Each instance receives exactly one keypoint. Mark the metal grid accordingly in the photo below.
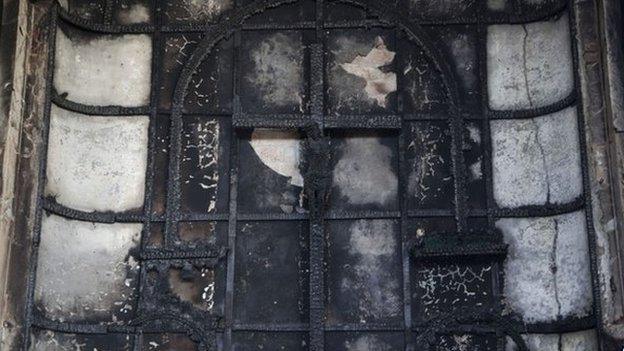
(210, 330)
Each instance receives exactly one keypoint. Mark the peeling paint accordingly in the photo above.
(360, 76)
(378, 83)
(280, 151)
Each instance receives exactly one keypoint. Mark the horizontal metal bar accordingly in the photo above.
(51, 206)
(540, 210)
(180, 254)
(272, 121)
(363, 121)
(92, 110)
(569, 101)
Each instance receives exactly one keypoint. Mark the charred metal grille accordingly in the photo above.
(236, 255)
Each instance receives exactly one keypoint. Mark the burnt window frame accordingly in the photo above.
(50, 206)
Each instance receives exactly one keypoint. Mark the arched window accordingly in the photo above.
(313, 175)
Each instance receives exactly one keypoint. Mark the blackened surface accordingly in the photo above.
(459, 44)
(271, 273)
(161, 162)
(249, 341)
(472, 147)
(286, 14)
(363, 272)
(422, 89)
(273, 66)
(459, 342)
(168, 342)
(42, 340)
(360, 259)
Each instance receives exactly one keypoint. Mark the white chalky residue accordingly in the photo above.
(450, 279)
(577, 341)
(204, 138)
(96, 163)
(428, 158)
(364, 172)
(109, 70)
(280, 151)
(547, 267)
(83, 268)
(367, 343)
(529, 65)
(372, 243)
(378, 83)
(537, 161)
(135, 13)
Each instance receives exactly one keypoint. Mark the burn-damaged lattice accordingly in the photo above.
(310, 175)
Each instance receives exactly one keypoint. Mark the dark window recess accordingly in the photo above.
(318, 178)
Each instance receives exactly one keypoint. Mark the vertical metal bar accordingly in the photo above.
(157, 59)
(403, 196)
(233, 208)
(317, 230)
